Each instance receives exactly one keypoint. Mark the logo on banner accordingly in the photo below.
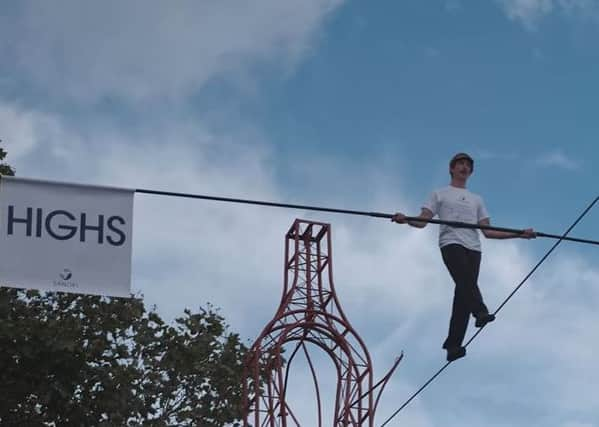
(66, 274)
(65, 280)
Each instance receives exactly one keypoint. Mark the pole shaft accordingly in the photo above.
(455, 224)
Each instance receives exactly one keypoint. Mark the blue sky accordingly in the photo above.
(348, 104)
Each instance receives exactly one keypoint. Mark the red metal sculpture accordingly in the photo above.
(309, 313)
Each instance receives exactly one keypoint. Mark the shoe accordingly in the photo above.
(483, 319)
(454, 353)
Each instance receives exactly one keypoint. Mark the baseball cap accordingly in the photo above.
(461, 156)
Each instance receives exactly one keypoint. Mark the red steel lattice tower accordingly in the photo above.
(309, 313)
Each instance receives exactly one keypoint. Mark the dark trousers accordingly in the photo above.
(463, 265)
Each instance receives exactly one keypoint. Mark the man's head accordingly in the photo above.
(461, 164)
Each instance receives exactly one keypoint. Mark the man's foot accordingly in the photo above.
(454, 353)
(483, 319)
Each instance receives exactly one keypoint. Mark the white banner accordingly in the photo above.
(65, 237)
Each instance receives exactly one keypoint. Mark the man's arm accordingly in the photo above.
(424, 214)
(529, 233)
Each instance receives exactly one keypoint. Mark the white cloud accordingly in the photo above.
(187, 252)
(390, 278)
(555, 159)
(17, 126)
(140, 50)
(530, 12)
(22, 130)
(558, 159)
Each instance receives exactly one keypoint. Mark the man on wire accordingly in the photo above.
(460, 248)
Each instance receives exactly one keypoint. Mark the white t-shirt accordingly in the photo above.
(457, 204)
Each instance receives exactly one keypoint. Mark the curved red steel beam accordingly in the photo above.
(310, 312)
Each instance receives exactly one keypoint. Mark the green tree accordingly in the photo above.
(69, 359)
(4, 168)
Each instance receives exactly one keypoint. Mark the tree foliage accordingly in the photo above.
(4, 168)
(88, 360)
(69, 359)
